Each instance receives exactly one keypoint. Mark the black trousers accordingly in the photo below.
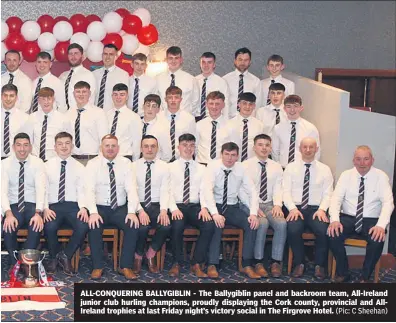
(66, 212)
(113, 218)
(295, 229)
(373, 249)
(206, 229)
(161, 232)
(33, 238)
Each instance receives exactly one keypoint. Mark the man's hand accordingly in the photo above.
(377, 233)
(277, 212)
(261, 214)
(335, 228)
(49, 215)
(134, 220)
(294, 215)
(163, 218)
(94, 220)
(10, 222)
(143, 217)
(219, 220)
(254, 222)
(37, 222)
(177, 215)
(321, 215)
(83, 215)
(204, 215)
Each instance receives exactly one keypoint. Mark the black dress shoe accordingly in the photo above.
(65, 263)
(298, 271)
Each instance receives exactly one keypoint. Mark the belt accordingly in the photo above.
(84, 156)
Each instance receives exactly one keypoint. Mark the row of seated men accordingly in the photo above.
(150, 193)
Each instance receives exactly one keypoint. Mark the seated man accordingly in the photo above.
(65, 203)
(223, 180)
(362, 204)
(185, 204)
(307, 187)
(112, 199)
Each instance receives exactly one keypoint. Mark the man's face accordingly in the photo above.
(150, 109)
(229, 158)
(8, 99)
(149, 148)
(12, 62)
(119, 98)
(174, 62)
(186, 149)
(308, 149)
(22, 148)
(293, 110)
(363, 160)
(109, 57)
(276, 97)
(139, 67)
(75, 57)
(82, 95)
(64, 147)
(208, 65)
(275, 68)
(43, 66)
(215, 106)
(246, 108)
(46, 103)
(262, 148)
(110, 148)
(173, 101)
(242, 62)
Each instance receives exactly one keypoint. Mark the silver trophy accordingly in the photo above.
(29, 257)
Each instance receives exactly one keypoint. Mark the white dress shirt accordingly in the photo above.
(213, 186)
(160, 182)
(147, 85)
(215, 83)
(320, 184)
(281, 139)
(274, 180)
(56, 122)
(188, 84)
(34, 182)
(235, 128)
(251, 83)
(98, 188)
(51, 81)
(24, 85)
(93, 126)
(127, 131)
(267, 115)
(17, 119)
(176, 170)
(74, 181)
(265, 84)
(378, 198)
(204, 137)
(80, 74)
(114, 76)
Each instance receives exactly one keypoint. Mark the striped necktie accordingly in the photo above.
(359, 208)
(43, 137)
(21, 188)
(147, 187)
(102, 89)
(7, 133)
(172, 80)
(34, 105)
(11, 80)
(245, 135)
(240, 88)
(77, 128)
(135, 105)
(115, 120)
(113, 190)
(172, 135)
(268, 96)
(277, 116)
(203, 98)
(144, 130)
(62, 182)
(67, 88)
(213, 140)
(305, 193)
(225, 192)
(186, 188)
(263, 181)
(292, 146)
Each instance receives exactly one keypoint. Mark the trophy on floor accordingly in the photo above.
(29, 257)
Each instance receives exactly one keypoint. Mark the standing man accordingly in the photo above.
(108, 76)
(15, 76)
(364, 195)
(240, 80)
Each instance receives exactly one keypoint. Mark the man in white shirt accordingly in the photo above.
(112, 200)
(153, 186)
(108, 76)
(47, 79)
(22, 195)
(12, 118)
(124, 123)
(209, 82)
(44, 124)
(179, 121)
(307, 188)
(140, 84)
(240, 80)
(362, 204)
(77, 73)
(222, 182)
(287, 135)
(267, 178)
(187, 206)
(175, 76)
(65, 203)
(14, 75)
(244, 127)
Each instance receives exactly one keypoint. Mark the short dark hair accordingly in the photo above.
(9, 88)
(247, 96)
(209, 55)
(243, 50)
(277, 87)
(230, 146)
(12, 51)
(215, 95)
(153, 98)
(120, 87)
(275, 58)
(140, 57)
(262, 136)
(44, 55)
(63, 134)
(75, 45)
(293, 98)
(82, 85)
(111, 46)
(173, 90)
(174, 50)
(21, 135)
(148, 137)
(187, 137)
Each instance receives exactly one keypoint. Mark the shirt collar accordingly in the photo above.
(243, 118)
(76, 68)
(151, 121)
(15, 73)
(11, 111)
(183, 161)
(122, 109)
(358, 174)
(44, 76)
(110, 69)
(277, 79)
(169, 114)
(219, 119)
(272, 107)
(27, 160)
(239, 73)
(175, 73)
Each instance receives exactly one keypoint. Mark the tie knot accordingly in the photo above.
(293, 123)
(45, 116)
(173, 116)
(11, 75)
(7, 113)
(63, 162)
(110, 164)
(149, 163)
(272, 81)
(71, 72)
(22, 163)
(40, 79)
(307, 165)
(205, 79)
(227, 172)
(263, 164)
(241, 76)
(146, 124)
(136, 80)
(106, 71)
(214, 123)
(80, 110)
(361, 179)
(173, 76)
(117, 112)
(276, 110)
(245, 121)
(187, 164)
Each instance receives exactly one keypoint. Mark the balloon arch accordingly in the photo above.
(131, 33)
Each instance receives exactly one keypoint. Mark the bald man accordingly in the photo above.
(307, 188)
(365, 197)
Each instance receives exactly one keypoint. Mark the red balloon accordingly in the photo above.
(92, 18)
(132, 24)
(30, 51)
(148, 35)
(60, 51)
(60, 18)
(123, 12)
(113, 38)
(125, 64)
(79, 23)
(46, 23)
(15, 41)
(14, 24)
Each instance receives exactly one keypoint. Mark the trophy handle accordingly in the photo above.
(15, 252)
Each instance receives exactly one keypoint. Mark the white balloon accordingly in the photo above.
(129, 44)
(112, 22)
(82, 39)
(144, 15)
(63, 30)
(4, 30)
(46, 41)
(96, 31)
(3, 51)
(30, 30)
(142, 49)
(94, 51)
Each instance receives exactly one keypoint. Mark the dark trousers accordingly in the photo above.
(373, 249)
(295, 229)
(66, 212)
(161, 232)
(95, 236)
(33, 238)
(206, 229)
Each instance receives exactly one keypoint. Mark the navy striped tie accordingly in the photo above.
(225, 192)
(172, 136)
(240, 88)
(203, 98)
(11, 80)
(213, 140)
(135, 105)
(102, 89)
(114, 126)
(305, 193)
(62, 182)
(186, 187)
(34, 105)
(147, 187)
(292, 146)
(172, 80)
(113, 190)
(263, 181)
(77, 128)
(277, 116)
(43, 139)
(21, 188)
(359, 208)
(245, 135)
(67, 88)
(7, 133)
